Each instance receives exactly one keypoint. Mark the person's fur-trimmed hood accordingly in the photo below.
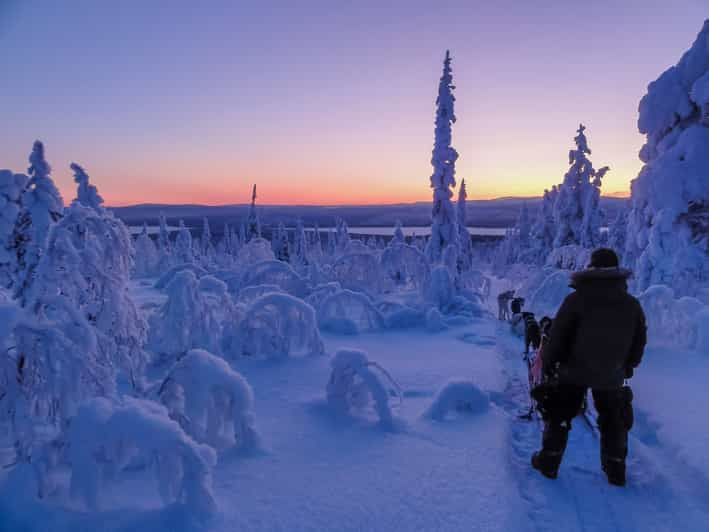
(594, 274)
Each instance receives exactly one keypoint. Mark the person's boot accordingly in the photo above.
(615, 471)
(547, 464)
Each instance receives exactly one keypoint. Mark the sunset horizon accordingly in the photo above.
(342, 115)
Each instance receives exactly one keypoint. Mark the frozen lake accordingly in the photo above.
(377, 231)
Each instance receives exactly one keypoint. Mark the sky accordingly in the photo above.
(327, 102)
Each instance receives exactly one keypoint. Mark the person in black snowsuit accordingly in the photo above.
(597, 340)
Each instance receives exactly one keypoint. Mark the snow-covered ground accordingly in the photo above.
(319, 470)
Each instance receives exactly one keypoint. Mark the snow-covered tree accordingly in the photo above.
(185, 321)
(668, 225)
(253, 225)
(280, 244)
(11, 187)
(164, 246)
(236, 242)
(444, 232)
(398, 237)
(342, 236)
(206, 246)
(332, 242)
(616, 232)
(544, 230)
(299, 257)
(183, 245)
(465, 256)
(42, 206)
(315, 250)
(87, 194)
(146, 255)
(576, 208)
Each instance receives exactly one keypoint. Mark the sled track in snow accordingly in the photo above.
(663, 493)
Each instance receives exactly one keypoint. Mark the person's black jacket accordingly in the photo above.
(599, 333)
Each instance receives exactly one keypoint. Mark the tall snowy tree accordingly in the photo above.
(87, 194)
(299, 257)
(11, 187)
(206, 245)
(183, 245)
(253, 225)
(42, 207)
(465, 258)
(444, 232)
(668, 227)
(576, 209)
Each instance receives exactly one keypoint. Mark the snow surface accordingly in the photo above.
(320, 470)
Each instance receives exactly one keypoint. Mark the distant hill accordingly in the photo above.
(501, 212)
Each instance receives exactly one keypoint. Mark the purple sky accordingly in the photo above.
(327, 102)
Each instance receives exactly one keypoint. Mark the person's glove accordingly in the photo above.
(629, 372)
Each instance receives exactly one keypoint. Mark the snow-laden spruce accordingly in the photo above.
(457, 396)
(185, 321)
(106, 437)
(668, 226)
(444, 231)
(87, 193)
(358, 386)
(11, 187)
(576, 209)
(146, 263)
(543, 231)
(42, 206)
(253, 223)
(465, 255)
(210, 401)
(184, 252)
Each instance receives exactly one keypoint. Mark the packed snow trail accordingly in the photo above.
(663, 493)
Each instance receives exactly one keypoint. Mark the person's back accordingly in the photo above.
(596, 340)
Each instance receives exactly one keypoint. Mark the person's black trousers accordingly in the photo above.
(615, 419)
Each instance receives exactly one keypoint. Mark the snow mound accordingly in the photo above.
(105, 437)
(358, 386)
(166, 278)
(275, 272)
(358, 271)
(255, 251)
(348, 312)
(251, 293)
(434, 321)
(458, 396)
(671, 321)
(210, 401)
(279, 325)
